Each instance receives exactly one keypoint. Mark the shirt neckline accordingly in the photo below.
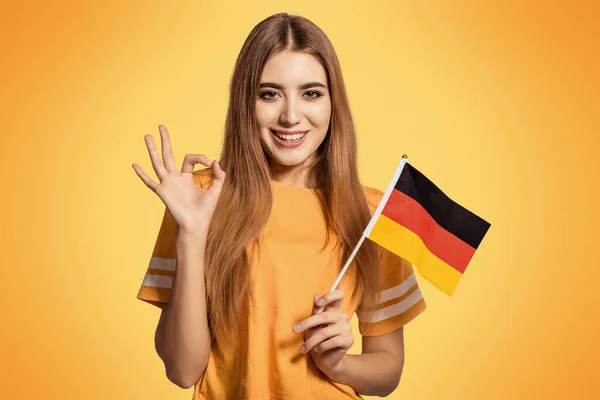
(287, 185)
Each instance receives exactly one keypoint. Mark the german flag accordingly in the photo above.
(418, 222)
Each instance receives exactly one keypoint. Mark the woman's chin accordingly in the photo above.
(289, 160)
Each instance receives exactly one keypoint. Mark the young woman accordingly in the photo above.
(250, 246)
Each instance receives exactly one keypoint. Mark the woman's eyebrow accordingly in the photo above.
(301, 87)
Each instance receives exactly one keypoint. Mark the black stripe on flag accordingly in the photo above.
(450, 215)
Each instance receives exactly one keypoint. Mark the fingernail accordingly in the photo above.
(320, 302)
(296, 328)
(302, 349)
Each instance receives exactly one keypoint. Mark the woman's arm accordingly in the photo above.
(377, 371)
(182, 338)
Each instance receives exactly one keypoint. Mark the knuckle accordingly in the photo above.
(322, 335)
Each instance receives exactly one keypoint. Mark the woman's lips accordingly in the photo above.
(287, 144)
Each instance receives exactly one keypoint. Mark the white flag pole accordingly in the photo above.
(372, 222)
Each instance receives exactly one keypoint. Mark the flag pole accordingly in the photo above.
(369, 227)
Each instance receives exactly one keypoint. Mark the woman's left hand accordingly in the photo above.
(328, 334)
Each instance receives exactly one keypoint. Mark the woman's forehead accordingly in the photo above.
(292, 69)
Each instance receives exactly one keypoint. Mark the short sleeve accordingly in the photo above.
(400, 299)
(160, 272)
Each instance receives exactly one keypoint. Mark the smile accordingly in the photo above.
(288, 140)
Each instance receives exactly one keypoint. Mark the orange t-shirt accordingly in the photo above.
(289, 272)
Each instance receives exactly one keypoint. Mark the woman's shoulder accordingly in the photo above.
(203, 177)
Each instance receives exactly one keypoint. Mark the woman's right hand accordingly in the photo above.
(190, 205)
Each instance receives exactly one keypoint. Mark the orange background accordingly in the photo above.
(496, 102)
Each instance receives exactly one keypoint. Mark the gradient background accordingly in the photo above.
(498, 103)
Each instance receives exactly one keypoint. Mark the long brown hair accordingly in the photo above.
(245, 202)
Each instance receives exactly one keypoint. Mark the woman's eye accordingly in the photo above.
(272, 95)
(264, 95)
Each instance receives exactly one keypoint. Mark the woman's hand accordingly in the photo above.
(190, 205)
(328, 334)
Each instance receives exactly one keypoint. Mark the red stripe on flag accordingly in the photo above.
(407, 212)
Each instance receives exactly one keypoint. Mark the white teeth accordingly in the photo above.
(291, 138)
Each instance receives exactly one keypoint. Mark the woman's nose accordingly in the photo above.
(291, 113)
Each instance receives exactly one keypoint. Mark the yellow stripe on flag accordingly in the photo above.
(409, 246)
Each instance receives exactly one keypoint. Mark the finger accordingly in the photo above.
(145, 178)
(167, 152)
(317, 309)
(314, 309)
(190, 160)
(218, 177)
(327, 317)
(334, 304)
(321, 335)
(332, 298)
(341, 342)
(157, 164)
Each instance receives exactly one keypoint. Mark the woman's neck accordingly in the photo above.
(296, 175)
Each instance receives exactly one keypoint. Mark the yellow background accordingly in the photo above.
(496, 102)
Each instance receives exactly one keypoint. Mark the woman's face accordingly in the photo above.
(293, 100)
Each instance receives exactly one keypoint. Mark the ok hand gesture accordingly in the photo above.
(190, 205)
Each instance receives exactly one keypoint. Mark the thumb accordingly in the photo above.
(218, 177)
(315, 308)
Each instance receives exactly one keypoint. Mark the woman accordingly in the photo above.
(249, 247)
